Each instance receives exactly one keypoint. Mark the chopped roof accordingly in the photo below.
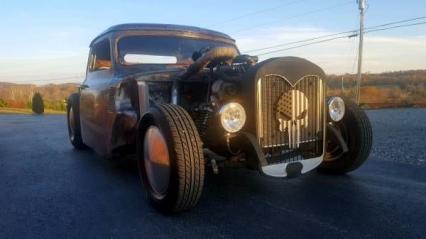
(161, 27)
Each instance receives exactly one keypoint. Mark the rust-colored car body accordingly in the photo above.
(112, 100)
(184, 97)
(283, 100)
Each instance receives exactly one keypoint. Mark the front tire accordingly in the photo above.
(170, 158)
(73, 119)
(356, 131)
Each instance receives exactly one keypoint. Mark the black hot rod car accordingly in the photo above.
(184, 98)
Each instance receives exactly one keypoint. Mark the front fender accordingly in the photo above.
(143, 98)
(131, 103)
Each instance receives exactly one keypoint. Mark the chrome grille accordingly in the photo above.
(290, 119)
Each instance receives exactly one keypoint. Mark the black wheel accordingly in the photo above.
(170, 158)
(356, 131)
(73, 118)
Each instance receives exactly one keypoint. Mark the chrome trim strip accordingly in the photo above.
(297, 82)
(279, 170)
(319, 106)
(294, 103)
(259, 109)
(174, 95)
(278, 145)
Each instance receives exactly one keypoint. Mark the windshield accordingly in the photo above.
(137, 50)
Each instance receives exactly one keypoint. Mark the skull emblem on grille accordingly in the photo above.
(292, 114)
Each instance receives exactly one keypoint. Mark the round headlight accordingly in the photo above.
(336, 108)
(232, 117)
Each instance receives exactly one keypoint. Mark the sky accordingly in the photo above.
(48, 41)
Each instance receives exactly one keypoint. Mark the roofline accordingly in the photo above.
(149, 27)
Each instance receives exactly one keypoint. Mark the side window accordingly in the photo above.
(100, 58)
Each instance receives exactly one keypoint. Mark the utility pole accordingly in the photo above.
(361, 6)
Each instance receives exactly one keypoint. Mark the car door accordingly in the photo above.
(94, 96)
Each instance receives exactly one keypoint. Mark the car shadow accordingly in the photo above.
(238, 196)
(243, 186)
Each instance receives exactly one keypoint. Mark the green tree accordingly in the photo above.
(37, 104)
(3, 103)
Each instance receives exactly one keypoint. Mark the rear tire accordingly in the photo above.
(170, 158)
(356, 130)
(73, 119)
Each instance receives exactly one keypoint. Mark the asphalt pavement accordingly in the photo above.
(49, 190)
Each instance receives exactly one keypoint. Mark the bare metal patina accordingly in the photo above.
(183, 98)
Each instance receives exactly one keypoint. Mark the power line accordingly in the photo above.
(257, 12)
(307, 44)
(335, 34)
(397, 22)
(295, 16)
(340, 37)
(301, 41)
(399, 26)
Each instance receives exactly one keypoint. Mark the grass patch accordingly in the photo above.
(6, 110)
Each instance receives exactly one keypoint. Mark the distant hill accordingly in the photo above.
(20, 95)
(389, 89)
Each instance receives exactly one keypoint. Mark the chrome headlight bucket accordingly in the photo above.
(336, 108)
(232, 117)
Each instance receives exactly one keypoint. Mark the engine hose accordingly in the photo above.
(217, 53)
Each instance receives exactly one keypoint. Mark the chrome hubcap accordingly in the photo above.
(72, 123)
(156, 161)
